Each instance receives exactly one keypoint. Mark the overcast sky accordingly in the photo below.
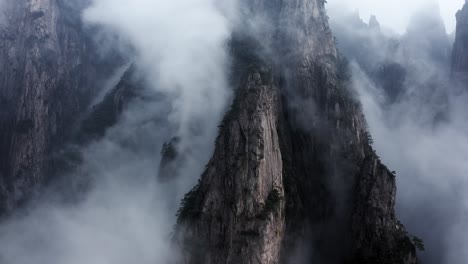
(396, 13)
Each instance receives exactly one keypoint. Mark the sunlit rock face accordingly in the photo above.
(460, 48)
(294, 178)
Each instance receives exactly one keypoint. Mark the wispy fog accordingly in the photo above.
(181, 46)
(397, 13)
(126, 216)
(418, 121)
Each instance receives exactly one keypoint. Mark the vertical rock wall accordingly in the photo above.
(46, 78)
(293, 178)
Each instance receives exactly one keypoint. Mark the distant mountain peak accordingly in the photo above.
(374, 23)
(460, 48)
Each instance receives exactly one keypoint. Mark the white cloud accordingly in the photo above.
(180, 43)
(396, 14)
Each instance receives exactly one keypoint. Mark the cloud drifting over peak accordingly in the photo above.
(181, 46)
(397, 13)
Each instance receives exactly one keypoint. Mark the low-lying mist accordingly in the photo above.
(126, 215)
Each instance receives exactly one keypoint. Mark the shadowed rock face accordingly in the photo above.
(293, 178)
(46, 80)
(170, 158)
(460, 48)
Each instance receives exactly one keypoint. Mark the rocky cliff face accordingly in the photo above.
(293, 178)
(460, 48)
(47, 75)
(242, 213)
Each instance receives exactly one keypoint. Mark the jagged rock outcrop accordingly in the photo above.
(293, 178)
(460, 48)
(374, 23)
(47, 76)
(241, 214)
(391, 77)
(171, 158)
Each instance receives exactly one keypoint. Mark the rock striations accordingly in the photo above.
(46, 76)
(293, 178)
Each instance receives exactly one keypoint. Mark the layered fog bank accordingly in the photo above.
(417, 117)
(122, 213)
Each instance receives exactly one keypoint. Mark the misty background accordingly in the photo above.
(396, 14)
(127, 216)
(416, 114)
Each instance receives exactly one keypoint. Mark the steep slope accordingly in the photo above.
(460, 48)
(293, 178)
(241, 213)
(47, 77)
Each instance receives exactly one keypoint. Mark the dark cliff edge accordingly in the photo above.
(293, 178)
